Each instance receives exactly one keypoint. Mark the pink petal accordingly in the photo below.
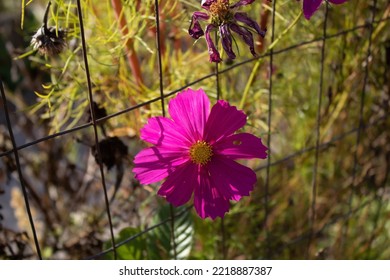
(232, 179)
(223, 121)
(214, 55)
(164, 132)
(310, 6)
(227, 40)
(154, 164)
(208, 201)
(190, 110)
(179, 186)
(240, 146)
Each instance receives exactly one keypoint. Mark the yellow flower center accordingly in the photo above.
(219, 11)
(201, 152)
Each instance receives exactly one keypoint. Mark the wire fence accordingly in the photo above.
(314, 229)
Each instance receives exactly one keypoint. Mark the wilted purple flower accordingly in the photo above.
(224, 17)
(311, 6)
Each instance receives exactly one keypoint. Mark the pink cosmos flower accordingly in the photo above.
(311, 6)
(224, 17)
(195, 150)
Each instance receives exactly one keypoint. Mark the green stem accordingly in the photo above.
(45, 17)
(260, 61)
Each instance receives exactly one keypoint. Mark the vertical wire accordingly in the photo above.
(173, 237)
(93, 117)
(160, 70)
(218, 88)
(20, 173)
(360, 126)
(161, 82)
(269, 123)
(312, 212)
(217, 81)
(380, 197)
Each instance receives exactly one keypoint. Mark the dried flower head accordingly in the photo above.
(225, 18)
(112, 149)
(49, 40)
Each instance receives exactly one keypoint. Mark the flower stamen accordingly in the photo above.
(201, 152)
(220, 11)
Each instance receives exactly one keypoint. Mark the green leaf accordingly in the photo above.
(162, 244)
(132, 250)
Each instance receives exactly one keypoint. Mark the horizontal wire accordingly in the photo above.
(156, 99)
(321, 146)
(306, 235)
(123, 242)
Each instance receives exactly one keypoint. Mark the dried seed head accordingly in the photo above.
(49, 41)
(220, 12)
(112, 150)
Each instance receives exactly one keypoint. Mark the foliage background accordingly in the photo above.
(50, 117)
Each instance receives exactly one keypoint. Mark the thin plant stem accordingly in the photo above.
(23, 14)
(45, 17)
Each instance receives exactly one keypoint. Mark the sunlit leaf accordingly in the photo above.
(162, 244)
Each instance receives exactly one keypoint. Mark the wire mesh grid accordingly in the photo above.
(314, 229)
